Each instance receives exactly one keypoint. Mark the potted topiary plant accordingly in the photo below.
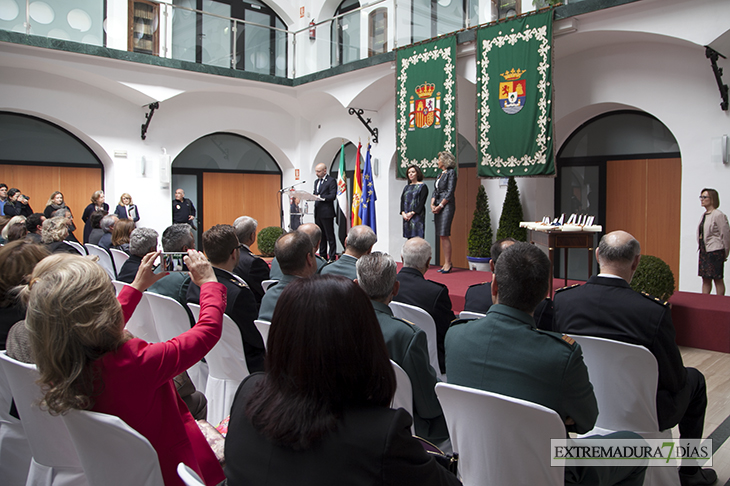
(654, 277)
(266, 239)
(509, 221)
(480, 234)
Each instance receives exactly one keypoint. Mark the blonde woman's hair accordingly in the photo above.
(95, 197)
(50, 199)
(448, 159)
(73, 319)
(54, 229)
(13, 220)
(125, 194)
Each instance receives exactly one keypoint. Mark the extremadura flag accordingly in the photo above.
(425, 104)
(514, 98)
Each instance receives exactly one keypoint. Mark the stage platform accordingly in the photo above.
(701, 321)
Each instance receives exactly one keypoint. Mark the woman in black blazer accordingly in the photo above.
(320, 414)
(443, 206)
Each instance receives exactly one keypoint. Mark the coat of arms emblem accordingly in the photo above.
(426, 110)
(512, 91)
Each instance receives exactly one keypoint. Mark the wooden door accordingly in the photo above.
(467, 185)
(643, 198)
(226, 196)
(76, 183)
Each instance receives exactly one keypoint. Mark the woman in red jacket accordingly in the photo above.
(88, 361)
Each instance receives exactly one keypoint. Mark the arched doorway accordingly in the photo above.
(227, 176)
(624, 168)
(39, 157)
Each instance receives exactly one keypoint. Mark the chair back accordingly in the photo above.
(105, 259)
(403, 397)
(111, 452)
(226, 369)
(265, 284)
(470, 315)
(142, 322)
(423, 320)
(500, 439)
(188, 476)
(170, 320)
(263, 327)
(15, 451)
(119, 257)
(81, 249)
(624, 378)
(55, 461)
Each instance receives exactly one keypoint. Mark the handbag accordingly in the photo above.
(448, 461)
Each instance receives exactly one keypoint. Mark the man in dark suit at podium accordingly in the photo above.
(324, 211)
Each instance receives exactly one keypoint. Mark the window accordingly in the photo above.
(346, 33)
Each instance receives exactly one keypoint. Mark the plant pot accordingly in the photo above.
(480, 264)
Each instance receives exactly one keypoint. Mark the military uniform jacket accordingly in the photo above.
(504, 353)
(609, 308)
(276, 274)
(345, 267)
(241, 307)
(268, 303)
(433, 297)
(408, 347)
(253, 270)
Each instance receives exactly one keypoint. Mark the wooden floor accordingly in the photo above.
(716, 368)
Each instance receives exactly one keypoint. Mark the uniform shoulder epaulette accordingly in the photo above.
(478, 284)
(568, 339)
(239, 283)
(563, 338)
(567, 288)
(655, 299)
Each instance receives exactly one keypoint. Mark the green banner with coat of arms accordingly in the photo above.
(514, 98)
(425, 104)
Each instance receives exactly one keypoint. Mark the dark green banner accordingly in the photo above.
(514, 98)
(425, 104)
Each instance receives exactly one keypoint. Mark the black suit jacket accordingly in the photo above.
(253, 270)
(242, 308)
(128, 271)
(610, 308)
(433, 297)
(328, 192)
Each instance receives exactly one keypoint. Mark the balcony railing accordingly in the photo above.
(259, 42)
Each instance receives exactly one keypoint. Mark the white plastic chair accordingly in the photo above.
(78, 246)
(188, 476)
(55, 461)
(105, 259)
(119, 257)
(500, 440)
(171, 320)
(263, 328)
(470, 315)
(624, 378)
(423, 320)
(265, 284)
(111, 452)
(226, 369)
(403, 397)
(15, 454)
(142, 322)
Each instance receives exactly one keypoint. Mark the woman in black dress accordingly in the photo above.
(413, 203)
(442, 205)
(97, 204)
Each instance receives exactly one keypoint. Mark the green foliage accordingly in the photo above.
(266, 239)
(480, 235)
(509, 221)
(654, 277)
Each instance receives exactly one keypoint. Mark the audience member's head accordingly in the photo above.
(54, 229)
(360, 240)
(4, 220)
(376, 275)
(618, 253)
(714, 196)
(34, 222)
(125, 199)
(3, 191)
(295, 254)
(17, 260)
(96, 217)
(122, 231)
(56, 199)
(13, 194)
(97, 198)
(497, 248)
(344, 365)
(416, 253)
(142, 241)
(245, 228)
(16, 231)
(63, 212)
(107, 222)
(15, 220)
(73, 319)
(178, 238)
(521, 277)
(314, 232)
(220, 243)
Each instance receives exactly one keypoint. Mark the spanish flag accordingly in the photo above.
(356, 190)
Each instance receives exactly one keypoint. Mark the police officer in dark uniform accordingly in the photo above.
(183, 210)
(607, 307)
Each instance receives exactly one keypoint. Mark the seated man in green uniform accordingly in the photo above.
(359, 242)
(406, 343)
(504, 353)
(315, 235)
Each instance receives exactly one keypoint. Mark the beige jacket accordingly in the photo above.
(717, 232)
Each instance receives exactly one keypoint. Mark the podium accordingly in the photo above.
(564, 239)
